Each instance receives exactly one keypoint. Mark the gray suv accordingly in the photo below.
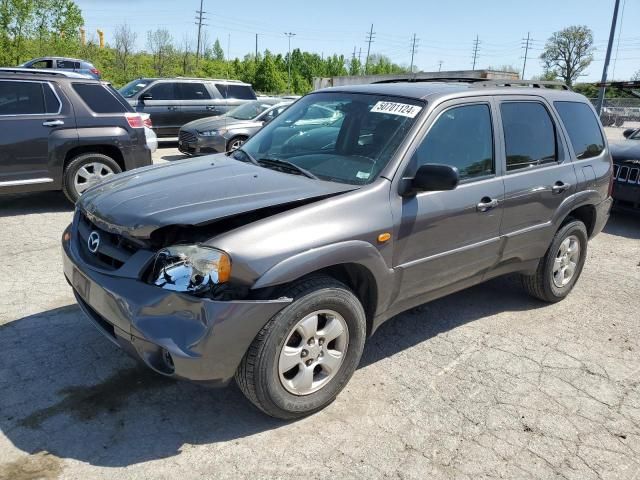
(172, 102)
(64, 64)
(274, 263)
(65, 131)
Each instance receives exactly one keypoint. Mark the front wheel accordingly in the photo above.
(559, 270)
(305, 355)
(235, 143)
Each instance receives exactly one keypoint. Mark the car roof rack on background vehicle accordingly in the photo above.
(40, 71)
(498, 82)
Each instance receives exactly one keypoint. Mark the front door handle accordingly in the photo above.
(211, 108)
(487, 204)
(52, 123)
(560, 187)
(172, 108)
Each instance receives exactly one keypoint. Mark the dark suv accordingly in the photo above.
(172, 102)
(274, 263)
(64, 131)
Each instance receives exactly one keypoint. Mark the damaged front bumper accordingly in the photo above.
(175, 334)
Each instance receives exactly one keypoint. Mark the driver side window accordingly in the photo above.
(461, 137)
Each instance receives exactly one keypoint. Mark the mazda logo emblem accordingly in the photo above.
(93, 242)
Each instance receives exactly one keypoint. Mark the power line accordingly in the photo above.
(289, 35)
(526, 45)
(369, 39)
(476, 49)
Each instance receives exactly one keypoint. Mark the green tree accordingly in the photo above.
(268, 79)
(568, 52)
(217, 52)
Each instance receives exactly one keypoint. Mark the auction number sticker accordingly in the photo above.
(394, 108)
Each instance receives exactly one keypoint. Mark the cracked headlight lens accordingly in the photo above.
(190, 268)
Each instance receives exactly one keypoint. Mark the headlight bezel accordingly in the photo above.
(213, 133)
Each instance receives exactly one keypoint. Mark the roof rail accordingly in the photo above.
(205, 78)
(39, 71)
(433, 79)
(505, 82)
(498, 82)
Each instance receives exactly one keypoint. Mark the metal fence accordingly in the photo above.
(617, 111)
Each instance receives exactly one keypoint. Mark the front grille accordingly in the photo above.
(187, 137)
(113, 250)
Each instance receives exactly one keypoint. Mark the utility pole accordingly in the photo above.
(440, 66)
(256, 47)
(476, 48)
(612, 34)
(527, 42)
(413, 51)
(360, 59)
(289, 35)
(228, 48)
(199, 19)
(353, 57)
(370, 37)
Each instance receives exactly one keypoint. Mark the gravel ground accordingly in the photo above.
(486, 383)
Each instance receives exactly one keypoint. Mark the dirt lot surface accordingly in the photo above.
(486, 383)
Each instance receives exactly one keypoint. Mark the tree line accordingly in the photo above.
(32, 28)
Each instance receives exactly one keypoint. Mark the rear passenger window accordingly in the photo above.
(98, 98)
(193, 91)
(529, 135)
(68, 64)
(163, 91)
(21, 98)
(461, 137)
(239, 92)
(582, 126)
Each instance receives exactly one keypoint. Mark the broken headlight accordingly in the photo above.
(190, 268)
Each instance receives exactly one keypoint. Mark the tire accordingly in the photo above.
(91, 162)
(259, 374)
(551, 288)
(235, 143)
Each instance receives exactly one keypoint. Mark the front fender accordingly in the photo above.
(352, 251)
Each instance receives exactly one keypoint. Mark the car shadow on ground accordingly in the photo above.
(70, 392)
(36, 202)
(624, 224)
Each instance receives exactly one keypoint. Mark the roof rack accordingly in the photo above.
(498, 82)
(40, 71)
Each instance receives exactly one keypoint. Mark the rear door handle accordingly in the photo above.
(52, 123)
(172, 108)
(211, 108)
(560, 187)
(487, 204)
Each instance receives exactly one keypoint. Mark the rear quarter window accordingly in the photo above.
(238, 92)
(582, 127)
(99, 98)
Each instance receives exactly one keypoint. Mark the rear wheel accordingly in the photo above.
(559, 270)
(305, 355)
(235, 143)
(85, 171)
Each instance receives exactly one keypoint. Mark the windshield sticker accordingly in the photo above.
(363, 175)
(393, 108)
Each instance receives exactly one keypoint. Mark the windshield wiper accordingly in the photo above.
(246, 154)
(285, 165)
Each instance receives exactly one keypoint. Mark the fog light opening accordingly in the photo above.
(168, 359)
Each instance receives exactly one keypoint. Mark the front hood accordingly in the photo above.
(625, 150)
(215, 123)
(194, 192)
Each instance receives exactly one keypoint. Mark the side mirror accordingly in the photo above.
(628, 132)
(146, 96)
(431, 178)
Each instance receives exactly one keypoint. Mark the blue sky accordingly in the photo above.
(445, 29)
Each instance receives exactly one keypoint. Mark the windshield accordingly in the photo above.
(248, 111)
(341, 137)
(131, 88)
